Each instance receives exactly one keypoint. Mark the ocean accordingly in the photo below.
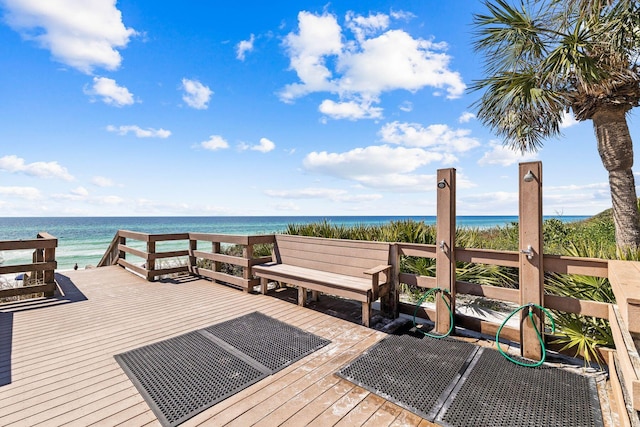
(83, 240)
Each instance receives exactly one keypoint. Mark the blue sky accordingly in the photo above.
(140, 108)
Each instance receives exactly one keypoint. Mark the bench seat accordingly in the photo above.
(355, 288)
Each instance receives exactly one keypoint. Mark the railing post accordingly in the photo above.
(445, 252)
(49, 275)
(193, 246)
(531, 255)
(247, 253)
(150, 263)
(215, 248)
(391, 303)
(122, 241)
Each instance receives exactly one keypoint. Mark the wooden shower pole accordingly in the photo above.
(445, 247)
(531, 251)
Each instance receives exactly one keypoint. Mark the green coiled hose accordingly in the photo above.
(544, 352)
(424, 297)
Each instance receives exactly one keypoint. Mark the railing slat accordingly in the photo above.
(8, 245)
(415, 280)
(227, 278)
(488, 291)
(20, 268)
(126, 264)
(574, 265)
(47, 288)
(143, 237)
(172, 254)
(577, 306)
(168, 237)
(133, 251)
(487, 256)
(227, 259)
(417, 250)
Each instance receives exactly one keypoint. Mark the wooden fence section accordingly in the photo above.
(216, 258)
(553, 264)
(40, 272)
(203, 263)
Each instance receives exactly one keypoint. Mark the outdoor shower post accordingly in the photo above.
(445, 247)
(531, 255)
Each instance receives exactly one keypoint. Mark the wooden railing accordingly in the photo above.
(40, 272)
(246, 281)
(552, 264)
(151, 267)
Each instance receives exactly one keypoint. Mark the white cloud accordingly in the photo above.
(382, 167)
(376, 60)
(362, 26)
(80, 191)
(29, 193)
(243, 47)
(287, 207)
(501, 155)
(265, 146)
(15, 164)
(351, 110)
(139, 132)
(394, 166)
(318, 37)
(79, 33)
(488, 203)
(77, 194)
(214, 143)
(568, 120)
(109, 200)
(111, 93)
(437, 137)
(406, 106)
(592, 197)
(369, 161)
(466, 117)
(395, 60)
(323, 193)
(402, 15)
(101, 181)
(196, 94)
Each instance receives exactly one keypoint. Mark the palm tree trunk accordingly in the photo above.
(616, 151)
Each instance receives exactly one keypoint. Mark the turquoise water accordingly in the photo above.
(83, 240)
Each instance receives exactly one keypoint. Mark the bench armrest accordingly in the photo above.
(375, 275)
(378, 269)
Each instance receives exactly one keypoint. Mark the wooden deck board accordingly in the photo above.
(63, 371)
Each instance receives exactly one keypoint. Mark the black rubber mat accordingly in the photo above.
(497, 392)
(273, 343)
(413, 373)
(454, 383)
(185, 375)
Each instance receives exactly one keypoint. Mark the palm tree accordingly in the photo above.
(545, 58)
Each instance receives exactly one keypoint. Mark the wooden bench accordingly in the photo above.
(358, 270)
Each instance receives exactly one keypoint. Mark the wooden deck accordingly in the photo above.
(57, 365)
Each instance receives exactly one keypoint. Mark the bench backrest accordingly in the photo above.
(348, 257)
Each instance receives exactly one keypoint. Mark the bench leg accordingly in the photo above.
(302, 296)
(263, 285)
(315, 295)
(366, 313)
